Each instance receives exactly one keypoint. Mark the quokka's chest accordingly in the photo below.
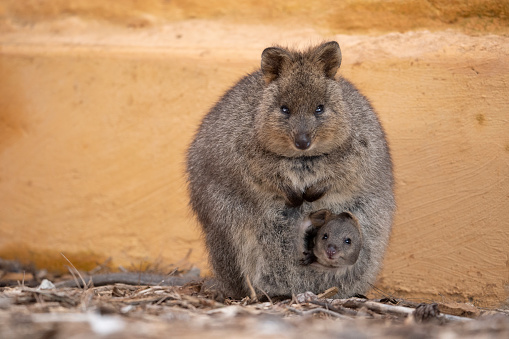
(305, 171)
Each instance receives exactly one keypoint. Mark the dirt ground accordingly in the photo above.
(39, 309)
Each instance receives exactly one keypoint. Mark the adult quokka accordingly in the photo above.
(286, 140)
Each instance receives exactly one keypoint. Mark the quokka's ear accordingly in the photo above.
(347, 215)
(320, 217)
(328, 55)
(274, 60)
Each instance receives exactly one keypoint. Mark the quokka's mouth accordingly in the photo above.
(331, 263)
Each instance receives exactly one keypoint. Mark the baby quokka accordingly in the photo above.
(331, 240)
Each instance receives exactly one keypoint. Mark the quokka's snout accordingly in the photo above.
(302, 141)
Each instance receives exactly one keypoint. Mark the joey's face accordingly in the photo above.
(302, 115)
(338, 244)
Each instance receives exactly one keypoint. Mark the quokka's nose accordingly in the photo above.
(331, 251)
(302, 141)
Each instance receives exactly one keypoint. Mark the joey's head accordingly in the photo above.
(302, 112)
(338, 241)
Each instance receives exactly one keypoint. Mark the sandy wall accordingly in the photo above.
(348, 16)
(95, 120)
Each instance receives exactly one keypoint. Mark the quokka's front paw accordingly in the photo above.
(308, 259)
(292, 197)
(315, 192)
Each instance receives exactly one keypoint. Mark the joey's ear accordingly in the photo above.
(348, 215)
(274, 60)
(329, 56)
(319, 217)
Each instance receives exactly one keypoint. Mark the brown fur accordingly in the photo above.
(266, 155)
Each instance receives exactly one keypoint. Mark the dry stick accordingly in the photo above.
(294, 300)
(386, 295)
(54, 296)
(75, 278)
(395, 299)
(328, 293)
(86, 298)
(253, 292)
(131, 279)
(265, 293)
(396, 310)
(251, 288)
(342, 310)
(78, 272)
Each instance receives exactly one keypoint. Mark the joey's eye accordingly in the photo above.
(348, 241)
(285, 110)
(325, 236)
(319, 110)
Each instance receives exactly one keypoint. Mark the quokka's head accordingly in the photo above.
(338, 241)
(302, 111)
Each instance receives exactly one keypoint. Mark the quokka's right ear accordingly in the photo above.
(320, 217)
(274, 61)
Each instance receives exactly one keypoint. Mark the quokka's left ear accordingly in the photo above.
(329, 56)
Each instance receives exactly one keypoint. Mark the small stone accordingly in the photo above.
(46, 285)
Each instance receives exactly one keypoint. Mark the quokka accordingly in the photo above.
(287, 140)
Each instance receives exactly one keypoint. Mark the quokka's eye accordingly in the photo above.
(325, 236)
(319, 110)
(348, 241)
(285, 110)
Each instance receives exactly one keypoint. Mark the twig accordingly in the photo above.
(251, 289)
(75, 278)
(130, 278)
(265, 293)
(78, 272)
(294, 300)
(341, 310)
(400, 311)
(253, 292)
(329, 293)
(385, 295)
(59, 297)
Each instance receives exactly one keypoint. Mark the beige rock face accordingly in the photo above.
(349, 16)
(95, 120)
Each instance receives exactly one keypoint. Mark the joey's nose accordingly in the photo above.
(331, 251)
(302, 141)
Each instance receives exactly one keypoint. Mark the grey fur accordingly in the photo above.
(251, 187)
